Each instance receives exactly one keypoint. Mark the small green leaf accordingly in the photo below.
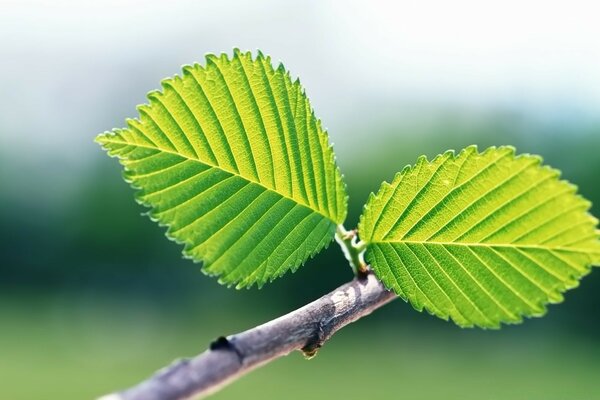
(480, 238)
(231, 158)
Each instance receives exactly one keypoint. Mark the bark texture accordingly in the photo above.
(305, 329)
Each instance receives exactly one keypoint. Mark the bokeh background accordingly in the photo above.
(94, 298)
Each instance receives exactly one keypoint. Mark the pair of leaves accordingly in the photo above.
(231, 158)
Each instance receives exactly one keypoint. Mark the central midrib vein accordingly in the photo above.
(236, 173)
(506, 245)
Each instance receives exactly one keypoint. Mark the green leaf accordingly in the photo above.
(231, 158)
(480, 238)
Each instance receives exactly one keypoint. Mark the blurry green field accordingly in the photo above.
(111, 300)
(69, 347)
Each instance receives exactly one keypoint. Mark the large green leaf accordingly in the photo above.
(231, 158)
(480, 238)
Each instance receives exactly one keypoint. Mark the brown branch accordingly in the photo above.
(305, 329)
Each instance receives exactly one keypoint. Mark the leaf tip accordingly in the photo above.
(103, 138)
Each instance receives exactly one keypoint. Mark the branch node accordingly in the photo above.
(316, 341)
(220, 343)
(310, 353)
(362, 274)
(224, 344)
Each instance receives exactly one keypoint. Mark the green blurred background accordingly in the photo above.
(94, 298)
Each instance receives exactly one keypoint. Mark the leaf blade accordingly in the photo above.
(218, 156)
(482, 226)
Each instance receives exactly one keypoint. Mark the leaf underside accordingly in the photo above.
(481, 238)
(231, 158)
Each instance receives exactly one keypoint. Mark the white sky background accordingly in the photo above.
(71, 69)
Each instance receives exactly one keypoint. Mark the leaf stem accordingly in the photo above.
(353, 249)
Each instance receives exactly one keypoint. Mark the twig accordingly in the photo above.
(305, 329)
